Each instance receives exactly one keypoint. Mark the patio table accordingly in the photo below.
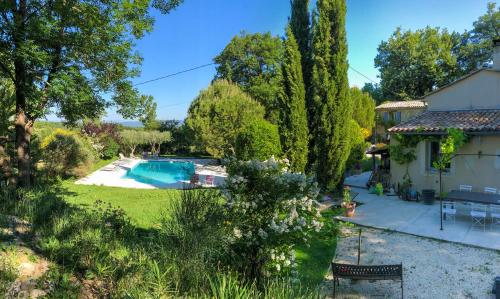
(475, 197)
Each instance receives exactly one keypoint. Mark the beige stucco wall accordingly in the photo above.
(479, 91)
(470, 170)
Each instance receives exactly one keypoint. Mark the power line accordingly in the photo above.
(362, 75)
(175, 74)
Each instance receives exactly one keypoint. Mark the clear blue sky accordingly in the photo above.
(199, 29)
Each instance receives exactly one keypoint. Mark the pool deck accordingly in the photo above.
(112, 175)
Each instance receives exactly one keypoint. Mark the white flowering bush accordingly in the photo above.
(270, 211)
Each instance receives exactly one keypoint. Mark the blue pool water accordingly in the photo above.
(161, 172)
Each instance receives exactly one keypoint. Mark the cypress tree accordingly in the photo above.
(300, 26)
(293, 119)
(330, 91)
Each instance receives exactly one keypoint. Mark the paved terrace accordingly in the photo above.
(416, 218)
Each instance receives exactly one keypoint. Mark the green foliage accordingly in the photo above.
(301, 28)
(270, 211)
(218, 114)
(253, 61)
(258, 140)
(195, 234)
(375, 91)
(293, 116)
(131, 139)
(330, 91)
(110, 147)
(182, 137)
(413, 63)
(363, 111)
(66, 154)
(379, 189)
(449, 146)
(358, 144)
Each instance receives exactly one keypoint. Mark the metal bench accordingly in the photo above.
(360, 272)
(364, 272)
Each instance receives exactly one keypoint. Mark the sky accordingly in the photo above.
(198, 30)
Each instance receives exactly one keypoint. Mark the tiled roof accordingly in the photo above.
(439, 121)
(402, 105)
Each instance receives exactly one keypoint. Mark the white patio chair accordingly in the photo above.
(490, 190)
(449, 211)
(478, 215)
(495, 215)
(467, 188)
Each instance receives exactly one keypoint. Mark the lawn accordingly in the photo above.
(142, 206)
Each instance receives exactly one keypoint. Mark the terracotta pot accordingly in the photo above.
(350, 209)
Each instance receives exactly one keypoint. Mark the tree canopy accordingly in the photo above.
(253, 61)
(62, 55)
(218, 114)
(363, 108)
(259, 140)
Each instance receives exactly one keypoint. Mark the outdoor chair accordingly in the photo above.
(209, 180)
(495, 215)
(467, 188)
(194, 181)
(478, 215)
(449, 211)
(490, 190)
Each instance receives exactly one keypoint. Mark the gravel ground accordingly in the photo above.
(432, 269)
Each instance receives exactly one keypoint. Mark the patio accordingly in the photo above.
(392, 213)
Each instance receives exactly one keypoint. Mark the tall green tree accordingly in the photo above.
(363, 111)
(330, 90)
(218, 114)
(412, 63)
(300, 25)
(293, 117)
(253, 61)
(62, 55)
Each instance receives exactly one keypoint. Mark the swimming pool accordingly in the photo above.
(161, 172)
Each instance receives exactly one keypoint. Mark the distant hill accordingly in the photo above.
(131, 123)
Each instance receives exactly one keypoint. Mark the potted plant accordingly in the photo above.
(347, 203)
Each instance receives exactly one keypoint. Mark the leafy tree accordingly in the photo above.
(363, 108)
(64, 54)
(412, 63)
(259, 140)
(293, 116)
(253, 62)
(148, 114)
(375, 91)
(218, 114)
(182, 136)
(358, 144)
(332, 104)
(301, 27)
(475, 48)
(131, 139)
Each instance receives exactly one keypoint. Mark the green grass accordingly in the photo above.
(142, 206)
(314, 260)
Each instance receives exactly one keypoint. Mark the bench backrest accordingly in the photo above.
(379, 272)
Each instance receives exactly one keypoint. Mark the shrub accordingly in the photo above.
(270, 210)
(196, 237)
(66, 154)
(259, 140)
(110, 148)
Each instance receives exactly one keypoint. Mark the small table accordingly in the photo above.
(475, 197)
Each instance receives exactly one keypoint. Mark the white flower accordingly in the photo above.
(273, 256)
(287, 263)
(237, 233)
(282, 256)
(278, 267)
(262, 233)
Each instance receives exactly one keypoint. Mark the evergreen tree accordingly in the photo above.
(293, 117)
(330, 90)
(300, 26)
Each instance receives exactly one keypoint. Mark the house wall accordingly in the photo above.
(479, 91)
(477, 171)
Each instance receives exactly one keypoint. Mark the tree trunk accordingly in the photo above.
(23, 125)
(23, 139)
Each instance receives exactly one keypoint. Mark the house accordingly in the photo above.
(470, 104)
(390, 114)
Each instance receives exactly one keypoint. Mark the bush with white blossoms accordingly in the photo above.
(270, 211)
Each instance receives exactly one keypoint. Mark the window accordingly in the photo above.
(434, 150)
(386, 116)
(397, 116)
